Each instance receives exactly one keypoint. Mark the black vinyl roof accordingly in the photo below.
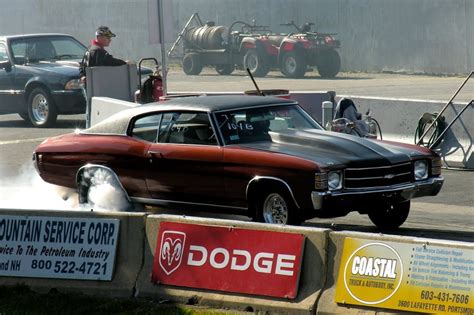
(118, 123)
(221, 102)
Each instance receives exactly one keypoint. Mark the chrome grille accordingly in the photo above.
(378, 176)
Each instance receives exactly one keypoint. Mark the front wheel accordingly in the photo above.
(42, 111)
(192, 64)
(277, 207)
(328, 63)
(390, 216)
(225, 69)
(293, 65)
(255, 62)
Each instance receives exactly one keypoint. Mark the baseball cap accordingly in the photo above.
(104, 31)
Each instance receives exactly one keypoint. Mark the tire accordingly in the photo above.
(42, 111)
(255, 62)
(328, 63)
(99, 188)
(225, 69)
(192, 64)
(275, 206)
(390, 216)
(293, 65)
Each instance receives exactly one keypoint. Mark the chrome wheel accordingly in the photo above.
(40, 108)
(275, 209)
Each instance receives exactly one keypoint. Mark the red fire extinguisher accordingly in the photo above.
(152, 89)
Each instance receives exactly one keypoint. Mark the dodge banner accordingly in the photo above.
(57, 247)
(228, 259)
(413, 277)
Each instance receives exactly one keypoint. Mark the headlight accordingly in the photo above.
(73, 84)
(421, 170)
(334, 180)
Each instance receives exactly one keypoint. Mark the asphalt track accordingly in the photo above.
(450, 215)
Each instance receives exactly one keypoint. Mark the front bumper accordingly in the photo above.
(428, 187)
(69, 101)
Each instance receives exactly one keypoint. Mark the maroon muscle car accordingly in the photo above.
(264, 157)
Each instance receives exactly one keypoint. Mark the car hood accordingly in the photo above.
(334, 150)
(68, 68)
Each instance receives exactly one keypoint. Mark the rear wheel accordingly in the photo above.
(192, 64)
(225, 69)
(255, 62)
(390, 216)
(293, 65)
(42, 111)
(99, 188)
(275, 206)
(328, 63)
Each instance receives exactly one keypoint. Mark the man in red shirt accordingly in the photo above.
(96, 55)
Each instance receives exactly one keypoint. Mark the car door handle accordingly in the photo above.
(155, 153)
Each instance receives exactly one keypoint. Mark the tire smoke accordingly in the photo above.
(28, 191)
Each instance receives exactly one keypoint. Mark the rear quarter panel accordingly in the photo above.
(63, 156)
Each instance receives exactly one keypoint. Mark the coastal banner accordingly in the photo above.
(417, 277)
(58, 247)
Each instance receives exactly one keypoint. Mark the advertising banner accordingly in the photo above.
(413, 277)
(56, 247)
(228, 259)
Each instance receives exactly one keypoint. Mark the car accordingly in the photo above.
(39, 77)
(259, 156)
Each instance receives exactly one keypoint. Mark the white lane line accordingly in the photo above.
(22, 141)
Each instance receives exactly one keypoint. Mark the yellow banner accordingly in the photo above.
(408, 277)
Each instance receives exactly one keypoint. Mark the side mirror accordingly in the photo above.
(6, 65)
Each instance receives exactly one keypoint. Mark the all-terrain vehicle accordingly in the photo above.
(306, 48)
(205, 44)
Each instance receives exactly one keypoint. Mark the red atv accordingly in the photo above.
(306, 48)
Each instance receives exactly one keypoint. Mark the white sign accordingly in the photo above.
(58, 247)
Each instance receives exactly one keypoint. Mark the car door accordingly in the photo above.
(9, 94)
(185, 165)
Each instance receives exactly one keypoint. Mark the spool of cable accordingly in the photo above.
(424, 122)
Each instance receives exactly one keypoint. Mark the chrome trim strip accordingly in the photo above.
(66, 91)
(256, 178)
(12, 92)
(162, 201)
(87, 166)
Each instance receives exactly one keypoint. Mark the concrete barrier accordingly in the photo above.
(399, 120)
(128, 255)
(310, 284)
(421, 266)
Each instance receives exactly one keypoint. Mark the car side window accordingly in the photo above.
(3, 53)
(146, 128)
(187, 128)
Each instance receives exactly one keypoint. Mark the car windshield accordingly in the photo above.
(251, 125)
(52, 48)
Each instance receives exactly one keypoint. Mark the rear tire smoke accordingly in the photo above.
(100, 189)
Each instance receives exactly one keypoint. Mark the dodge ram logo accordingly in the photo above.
(171, 250)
